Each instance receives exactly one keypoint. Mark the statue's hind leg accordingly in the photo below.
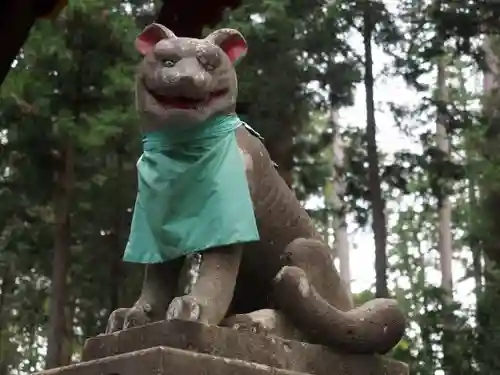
(316, 260)
(309, 291)
(267, 322)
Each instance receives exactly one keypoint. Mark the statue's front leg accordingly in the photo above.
(210, 294)
(158, 289)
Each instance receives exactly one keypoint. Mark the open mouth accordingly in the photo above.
(185, 102)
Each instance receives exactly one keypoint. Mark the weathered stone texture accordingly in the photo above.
(166, 361)
(231, 344)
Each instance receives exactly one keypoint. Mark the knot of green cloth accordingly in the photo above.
(198, 138)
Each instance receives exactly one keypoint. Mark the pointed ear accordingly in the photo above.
(231, 42)
(151, 35)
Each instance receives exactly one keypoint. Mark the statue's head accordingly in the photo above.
(187, 80)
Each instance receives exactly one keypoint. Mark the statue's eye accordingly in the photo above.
(206, 63)
(169, 63)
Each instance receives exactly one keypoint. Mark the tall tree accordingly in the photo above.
(488, 231)
(445, 244)
(341, 244)
(374, 184)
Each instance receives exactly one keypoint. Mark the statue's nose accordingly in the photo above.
(193, 80)
(186, 78)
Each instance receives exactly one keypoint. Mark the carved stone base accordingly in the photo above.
(243, 352)
(166, 361)
(179, 347)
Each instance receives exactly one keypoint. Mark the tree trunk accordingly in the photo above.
(477, 264)
(117, 242)
(58, 324)
(376, 198)
(489, 191)
(7, 287)
(488, 234)
(427, 352)
(339, 210)
(445, 244)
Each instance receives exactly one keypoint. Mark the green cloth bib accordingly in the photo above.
(193, 193)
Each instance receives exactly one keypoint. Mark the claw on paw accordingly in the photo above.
(115, 320)
(137, 316)
(184, 308)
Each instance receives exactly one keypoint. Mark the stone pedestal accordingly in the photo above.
(186, 348)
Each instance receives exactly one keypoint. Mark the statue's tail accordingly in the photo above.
(375, 327)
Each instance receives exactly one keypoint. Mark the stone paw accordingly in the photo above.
(245, 323)
(115, 320)
(184, 308)
(264, 322)
(125, 318)
(137, 316)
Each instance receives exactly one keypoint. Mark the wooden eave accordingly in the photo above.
(17, 17)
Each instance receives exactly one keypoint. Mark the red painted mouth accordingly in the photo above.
(185, 102)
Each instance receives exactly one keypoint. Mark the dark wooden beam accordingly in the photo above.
(16, 19)
(184, 17)
(188, 17)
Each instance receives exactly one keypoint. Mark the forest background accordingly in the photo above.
(381, 115)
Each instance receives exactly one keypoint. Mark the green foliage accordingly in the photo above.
(73, 85)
